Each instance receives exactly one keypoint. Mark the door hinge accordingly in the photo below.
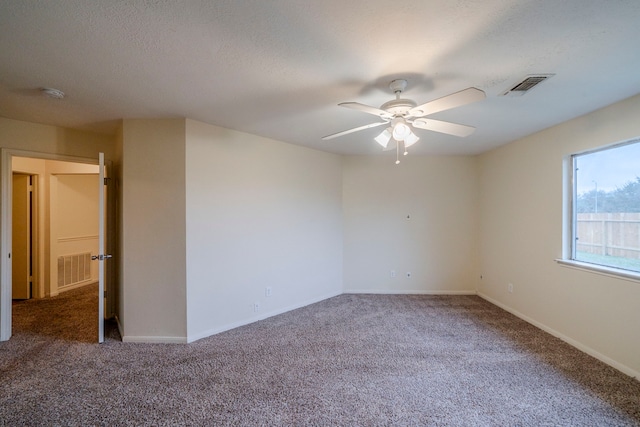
(100, 257)
(106, 181)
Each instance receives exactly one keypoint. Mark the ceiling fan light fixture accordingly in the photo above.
(400, 129)
(50, 92)
(410, 139)
(383, 138)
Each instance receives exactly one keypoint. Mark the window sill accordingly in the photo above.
(600, 269)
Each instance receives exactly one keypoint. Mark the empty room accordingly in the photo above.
(319, 213)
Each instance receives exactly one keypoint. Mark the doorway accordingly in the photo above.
(60, 261)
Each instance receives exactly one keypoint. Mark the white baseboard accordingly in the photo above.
(75, 286)
(408, 292)
(229, 326)
(586, 349)
(154, 340)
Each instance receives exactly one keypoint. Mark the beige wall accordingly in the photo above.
(521, 226)
(437, 244)
(153, 299)
(211, 217)
(54, 140)
(260, 213)
(74, 220)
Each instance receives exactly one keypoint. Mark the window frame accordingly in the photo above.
(570, 218)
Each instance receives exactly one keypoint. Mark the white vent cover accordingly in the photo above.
(527, 84)
(74, 269)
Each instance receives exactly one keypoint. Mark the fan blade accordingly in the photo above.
(458, 99)
(443, 127)
(367, 109)
(345, 132)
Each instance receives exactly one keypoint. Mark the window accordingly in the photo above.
(606, 207)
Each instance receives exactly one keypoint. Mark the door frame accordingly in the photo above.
(6, 176)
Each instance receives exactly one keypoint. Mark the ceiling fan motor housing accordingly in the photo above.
(398, 107)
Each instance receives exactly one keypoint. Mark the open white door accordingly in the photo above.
(101, 257)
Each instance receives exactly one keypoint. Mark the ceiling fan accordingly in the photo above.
(403, 114)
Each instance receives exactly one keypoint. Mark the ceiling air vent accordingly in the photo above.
(527, 84)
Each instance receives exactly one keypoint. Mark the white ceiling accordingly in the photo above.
(278, 68)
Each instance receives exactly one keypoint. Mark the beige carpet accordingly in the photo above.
(352, 360)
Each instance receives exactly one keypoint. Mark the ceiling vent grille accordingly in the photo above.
(527, 84)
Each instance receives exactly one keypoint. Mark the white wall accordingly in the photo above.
(74, 221)
(152, 233)
(521, 235)
(437, 244)
(259, 213)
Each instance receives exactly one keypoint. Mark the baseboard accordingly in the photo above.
(408, 292)
(586, 349)
(253, 319)
(154, 340)
(75, 286)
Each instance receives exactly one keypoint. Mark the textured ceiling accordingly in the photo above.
(279, 68)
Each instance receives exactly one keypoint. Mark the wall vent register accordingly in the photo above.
(74, 269)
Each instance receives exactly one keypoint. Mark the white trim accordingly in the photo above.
(408, 292)
(616, 273)
(77, 238)
(586, 349)
(101, 247)
(155, 340)
(5, 244)
(77, 285)
(50, 156)
(229, 326)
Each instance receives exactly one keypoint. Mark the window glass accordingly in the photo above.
(606, 207)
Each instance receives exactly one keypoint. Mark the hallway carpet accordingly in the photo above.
(352, 360)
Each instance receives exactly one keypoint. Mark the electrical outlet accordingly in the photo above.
(408, 275)
(510, 287)
(267, 291)
(393, 273)
(256, 307)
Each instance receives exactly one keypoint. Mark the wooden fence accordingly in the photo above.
(614, 234)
